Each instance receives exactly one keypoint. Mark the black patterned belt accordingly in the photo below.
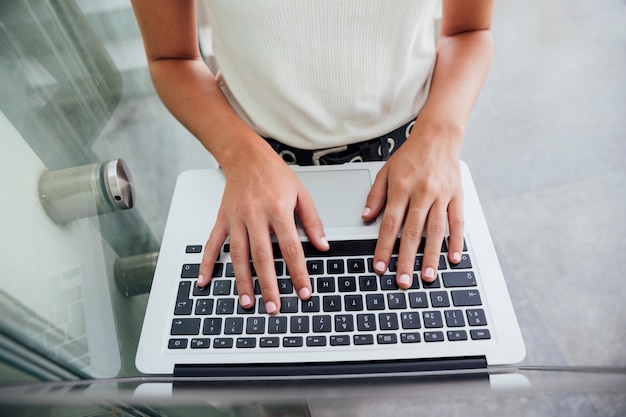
(377, 149)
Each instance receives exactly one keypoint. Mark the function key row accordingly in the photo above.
(320, 340)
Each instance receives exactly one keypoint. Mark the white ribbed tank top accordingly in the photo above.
(322, 73)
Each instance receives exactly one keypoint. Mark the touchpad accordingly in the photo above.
(339, 195)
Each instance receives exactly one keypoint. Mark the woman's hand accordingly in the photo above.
(420, 190)
(260, 198)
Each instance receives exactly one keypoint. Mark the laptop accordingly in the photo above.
(356, 324)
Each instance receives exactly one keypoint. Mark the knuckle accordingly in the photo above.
(437, 226)
(412, 233)
(389, 224)
(238, 253)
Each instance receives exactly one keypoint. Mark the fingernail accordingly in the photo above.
(304, 293)
(324, 242)
(380, 266)
(456, 257)
(245, 300)
(200, 280)
(366, 212)
(404, 279)
(429, 273)
(270, 307)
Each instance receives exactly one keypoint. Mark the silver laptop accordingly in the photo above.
(357, 323)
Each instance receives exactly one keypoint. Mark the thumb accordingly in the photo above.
(311, 221)
(377, 196)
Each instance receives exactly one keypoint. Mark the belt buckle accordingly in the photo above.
(317, 155)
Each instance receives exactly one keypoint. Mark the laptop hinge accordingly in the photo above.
(330, 370)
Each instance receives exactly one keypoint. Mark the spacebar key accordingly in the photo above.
(342, 248)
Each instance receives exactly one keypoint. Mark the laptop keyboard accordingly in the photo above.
(350, 305)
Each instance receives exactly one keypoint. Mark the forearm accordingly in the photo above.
(461, 67)
(190, 92)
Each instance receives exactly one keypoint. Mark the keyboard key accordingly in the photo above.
(344, 323)
(277, 324)
(418, 300)
(183, 307)
(435, 284)
(204, 307)
(396, 300)
(481, 334)
(225, 306)
(388, 282)
(375, 301)
(363, 339)
(186, 326)
(312, 305)
(299, 324)
(368, 283)
(212, 326)
(221, 287)
(432, 319)
(353, 302)
(285, 286)
(410, 321)
(255, 325)
(218, 270)
(222, 343)
(334, 266)
(288, 304)
(459, 279)
(201, 343)
(462, 298)
(347, 284)
(454, 318)
(322, 324)
(465, 262)
(193, 249)
(279, 268)
(387, 339)
(315, 267)
(456, 335)
(413, 337)
(476, 317)
(201, 291)
(190, 271)
(356, 266)
(341, 248)
(246, 342)
(177, 344)
(294, 341)
(388, 321)
(433, 337)
(268, 342)
(326, 284)
(439, 299)
(332, 303)
(340, 340)
(233, 325)
(183, 290)
(316, 341)
(366, 322)
(230, 270)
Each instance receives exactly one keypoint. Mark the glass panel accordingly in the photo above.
(75, 92)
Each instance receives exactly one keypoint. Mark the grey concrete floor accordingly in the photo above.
(547, 148)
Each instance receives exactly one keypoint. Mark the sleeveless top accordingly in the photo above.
(322, 73)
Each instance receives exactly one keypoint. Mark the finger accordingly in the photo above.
(240, 257)
(263, 260)
(293, 254)
(409, 244)
(212, 250)
(311, 221)
(457, 225)
(435, 232)
(390, 224)
(377, 196)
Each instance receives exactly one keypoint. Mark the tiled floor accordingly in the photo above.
(547, 148)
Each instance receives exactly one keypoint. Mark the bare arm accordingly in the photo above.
(261, 193)
(421, 183)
